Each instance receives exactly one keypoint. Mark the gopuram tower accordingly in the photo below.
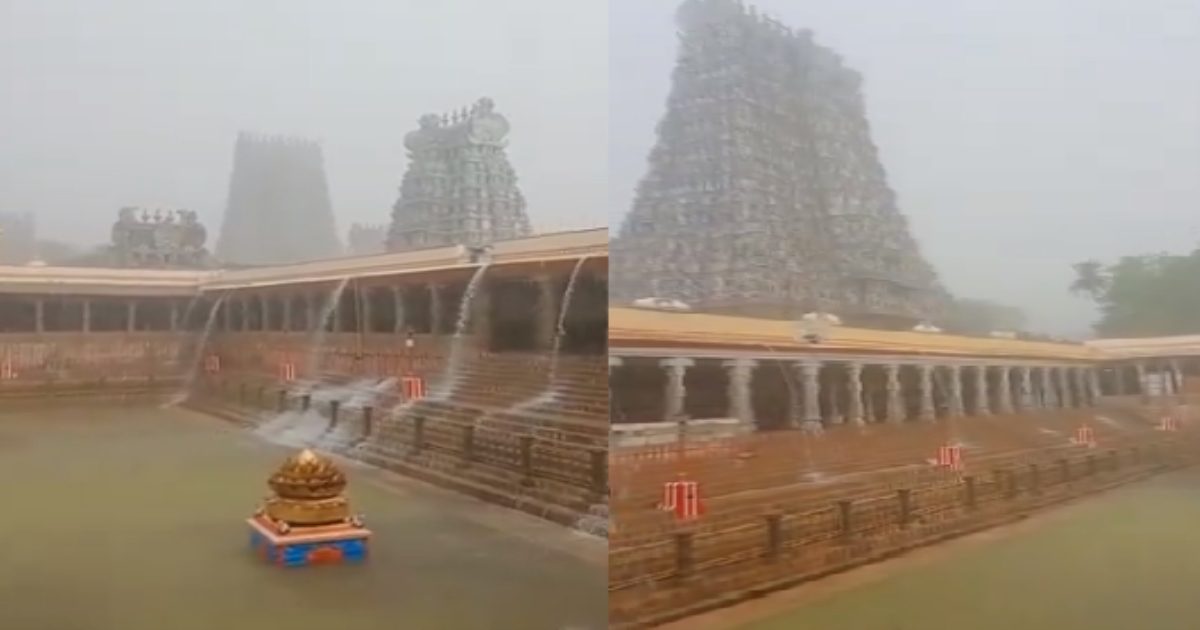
(765, 195)
(279, 210)
(460, 188)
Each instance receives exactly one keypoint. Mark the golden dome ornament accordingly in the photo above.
(307, 519)
(307, 491)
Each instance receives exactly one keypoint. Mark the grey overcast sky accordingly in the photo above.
(105, 103)
(1020, 135)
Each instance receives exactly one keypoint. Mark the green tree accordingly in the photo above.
(1091, 279)
(1143, 296)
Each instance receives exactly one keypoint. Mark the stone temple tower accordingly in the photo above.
(460, 188)
(765, 195)
(279, 209)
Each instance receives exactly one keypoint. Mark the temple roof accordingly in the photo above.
(1177, 346)
(640, 327)
(151, 282)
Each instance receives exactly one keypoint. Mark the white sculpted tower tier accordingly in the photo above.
(765, 195)
(460, 188)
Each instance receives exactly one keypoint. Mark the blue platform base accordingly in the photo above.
(301, 548)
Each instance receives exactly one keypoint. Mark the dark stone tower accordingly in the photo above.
(765, 195)
(18, 238)
(279, 210)
(366, 239)
(460, 188)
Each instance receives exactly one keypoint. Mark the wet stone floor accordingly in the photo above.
(122, 519)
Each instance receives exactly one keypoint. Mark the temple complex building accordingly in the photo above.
(460, 188)
(171, 239)
(279, 208)
(18, 238)
(366, 239)
(765, 195)
(766, 375)
(489, 367)
(519, 299)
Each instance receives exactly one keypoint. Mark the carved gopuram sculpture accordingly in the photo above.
(460, 188)
(158, 239)
(765, 195)
(279, 208)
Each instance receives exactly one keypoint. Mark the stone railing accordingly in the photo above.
(745, 545)
(639, 434)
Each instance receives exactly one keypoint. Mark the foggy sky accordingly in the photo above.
(138, 102)
(1020, 135)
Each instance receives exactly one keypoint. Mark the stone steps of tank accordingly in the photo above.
(489, 483)
(547, 499)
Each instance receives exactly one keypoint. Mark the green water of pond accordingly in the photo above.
(130, 519)
(1122, 561)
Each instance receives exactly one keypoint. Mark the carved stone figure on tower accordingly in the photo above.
(460, 188)
(171, 240)
(765, 195)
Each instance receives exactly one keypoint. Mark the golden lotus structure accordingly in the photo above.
(307, 491)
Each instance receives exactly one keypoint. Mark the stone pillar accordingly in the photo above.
(1049, 400)
(481, 311)
(1081, 389)
(1093, 376)
(956, 398)
(131, 316)
(364, 312)
(895, 395)
(928, 412)
(245, 308)
(547, 312)
(741, 400)
(435, 307)
(1027, 402)
(810, 379)
(264, 313)
(335, 311)
(1119, 372)
(313, 305)
(855, 412)
(287, 313)
(676, 390)
(1064, 387)
(399, 324)
(39, 316)
(174, 316)
(87, 316)
(982, 405)
(1005, 398)
(1176, 380)
(1140, 368)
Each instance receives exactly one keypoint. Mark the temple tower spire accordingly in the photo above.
(460, 188)
(279, 208)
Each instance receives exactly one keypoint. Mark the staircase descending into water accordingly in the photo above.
(526, 430)
(519, 430)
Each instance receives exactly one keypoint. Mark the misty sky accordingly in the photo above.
(105, 103)
(1020, 135)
